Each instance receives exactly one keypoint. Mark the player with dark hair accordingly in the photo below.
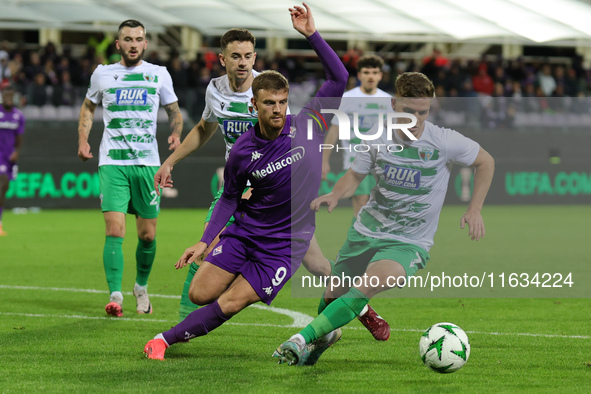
(12, 127)
(257, 255)
(394, 231)
(131, 92)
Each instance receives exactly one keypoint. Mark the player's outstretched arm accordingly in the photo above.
(197, 137)
(344, 188)
(84, 126)
(302, 20)
(175, 119)
(485, 168)
(336, 73)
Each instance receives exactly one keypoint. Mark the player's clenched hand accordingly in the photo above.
(475, 224)
(327, 199)
(191, 254)
(84, 151)
(174, 141)
(163, 178)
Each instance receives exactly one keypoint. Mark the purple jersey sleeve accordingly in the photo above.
(330, 93)
(336, 73)
(235, 181)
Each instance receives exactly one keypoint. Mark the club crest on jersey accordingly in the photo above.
(132, 96)
(426, 152)
(292, 132)
(217, 250)
(150, 77)
(407, 178)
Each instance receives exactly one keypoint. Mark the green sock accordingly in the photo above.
(338, 313)
(144, 256)
(186, 305)
(113, 262)
(322, 305)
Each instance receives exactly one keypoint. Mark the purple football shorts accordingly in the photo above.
(267, 264)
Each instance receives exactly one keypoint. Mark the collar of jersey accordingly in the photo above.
(259, 142)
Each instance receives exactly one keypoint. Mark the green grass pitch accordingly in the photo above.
(55, 336)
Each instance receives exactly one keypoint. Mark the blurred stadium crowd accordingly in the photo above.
(504, 88)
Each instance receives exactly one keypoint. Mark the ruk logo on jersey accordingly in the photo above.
(132, 96)
(235, 128)
(407, 178)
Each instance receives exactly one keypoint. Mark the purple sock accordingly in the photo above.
(1, 209)
(198, 323)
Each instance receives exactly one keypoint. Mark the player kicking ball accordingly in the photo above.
(394, 231)
(272, 231)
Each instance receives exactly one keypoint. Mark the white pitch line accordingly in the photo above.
(80, 317)
(283, 326)
(299, 319)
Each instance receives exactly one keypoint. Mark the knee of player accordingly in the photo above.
(199, 298)
(147, 236)
(115, 231)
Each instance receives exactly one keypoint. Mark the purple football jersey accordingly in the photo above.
(284, 173)
(12, 123)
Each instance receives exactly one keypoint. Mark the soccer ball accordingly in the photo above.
(444, 347)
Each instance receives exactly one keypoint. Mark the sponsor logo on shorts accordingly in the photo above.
(217, 250)
(407, 178)
(268, 290)
(132, 96)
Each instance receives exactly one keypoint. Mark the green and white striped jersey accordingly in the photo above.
(130, 97)
(233, 111)
(411, 184)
